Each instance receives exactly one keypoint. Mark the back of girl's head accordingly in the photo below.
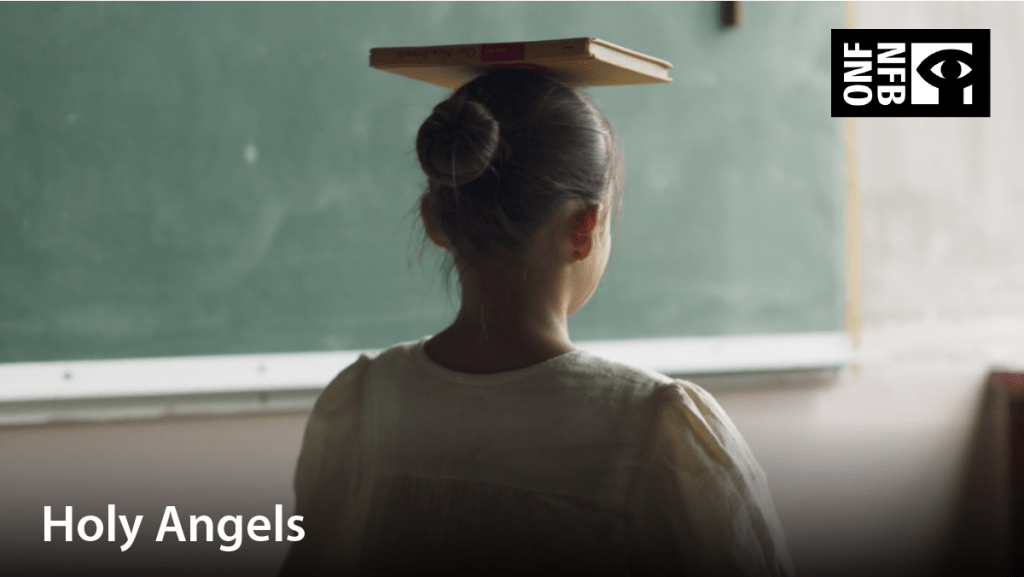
(505, 153)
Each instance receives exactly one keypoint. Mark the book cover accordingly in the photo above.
(583, 61)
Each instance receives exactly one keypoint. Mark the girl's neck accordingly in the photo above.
(503, 326)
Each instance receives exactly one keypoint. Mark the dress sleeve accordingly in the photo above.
(325, 474)
(699, 502)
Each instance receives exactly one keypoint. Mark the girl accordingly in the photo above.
(495, 446)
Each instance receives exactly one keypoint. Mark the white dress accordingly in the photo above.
(576, 465)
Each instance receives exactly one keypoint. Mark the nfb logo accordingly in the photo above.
(910, 73)
(944, 74)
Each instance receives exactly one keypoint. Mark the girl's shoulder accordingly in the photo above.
(344, 389)
(582, 373)
(677, 411)
(651, 385)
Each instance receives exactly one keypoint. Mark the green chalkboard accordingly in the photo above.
(207, 178)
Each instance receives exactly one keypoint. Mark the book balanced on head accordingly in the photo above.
(582, 61)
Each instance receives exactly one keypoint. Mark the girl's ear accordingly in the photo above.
(584, 222)
(433, 231)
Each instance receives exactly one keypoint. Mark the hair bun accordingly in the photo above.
(457, 142)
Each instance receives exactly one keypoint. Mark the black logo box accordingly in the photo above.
(980, 39)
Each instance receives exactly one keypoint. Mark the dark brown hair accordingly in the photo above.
(505, 152)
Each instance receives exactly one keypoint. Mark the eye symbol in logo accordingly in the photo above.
(952, 80)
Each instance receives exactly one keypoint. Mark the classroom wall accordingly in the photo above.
(869, 468)
(872, 474)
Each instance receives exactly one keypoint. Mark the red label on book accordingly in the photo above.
(501, 52)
